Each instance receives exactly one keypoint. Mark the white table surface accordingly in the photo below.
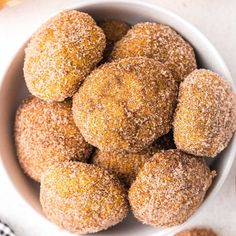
(216, 19)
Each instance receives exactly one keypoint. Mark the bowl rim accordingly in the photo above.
(185, 24)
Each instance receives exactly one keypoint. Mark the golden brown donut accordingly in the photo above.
(169, 188)
(205, 119)
(114, 30)
(45, 133)
(82, 198)
(125, 105)
(197, 232)
(159, 42)
(61, 53)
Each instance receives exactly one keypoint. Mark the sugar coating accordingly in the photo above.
(197, 232)
(125, 105)
(82, 198)
(114, 30)
(205, 119)
(61, 53)
(169, 188)
(159, 42)
(45, 133)
(126, 165)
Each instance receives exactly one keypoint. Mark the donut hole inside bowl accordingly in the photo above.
(13, 90)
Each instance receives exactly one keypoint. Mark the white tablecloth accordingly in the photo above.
(216, 19)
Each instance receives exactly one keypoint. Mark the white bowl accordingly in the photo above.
(13, 90)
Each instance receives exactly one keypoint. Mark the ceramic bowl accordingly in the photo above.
(13, 90)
